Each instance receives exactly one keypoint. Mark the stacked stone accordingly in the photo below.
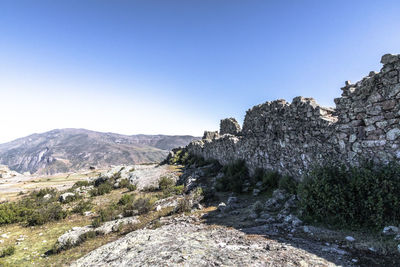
(290, 137)
(369, 114)
(229, 126)
(210, 135)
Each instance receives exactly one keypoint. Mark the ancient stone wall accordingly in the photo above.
(291, 137)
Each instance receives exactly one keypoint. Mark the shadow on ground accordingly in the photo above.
(339, 252)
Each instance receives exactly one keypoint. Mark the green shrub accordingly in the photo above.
(235, 176)
(8, 251)
(96, 222)
(142, 205)
(52, 212)
(42, 192)
(82, 206)
(168, 187)
(366, 196)
(81, 183)
(209, 195)
(178, 189)
(150, 188)
(124, 183)
(103, 188)
(270, 180)
(126, 199)
(132, 187)
(184, 205)
(109, 213)
(13, 212)
(87, 235)
(180, 157)
(33, 209)
(289, 184)
(165, 183)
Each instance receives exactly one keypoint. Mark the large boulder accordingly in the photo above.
(72, 237)
(5, 172)
(113, 226)
(390, 230)
(66, 197)
(277, 201)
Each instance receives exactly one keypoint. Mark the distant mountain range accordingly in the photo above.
(65, 150)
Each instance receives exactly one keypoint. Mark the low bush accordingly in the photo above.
(103, 188)
(180, 157)
(165, 182)
(289, 184)
(96, 222)
(52, 212)
(80, 184)
(38, 195)
(109, 213)
(168, 187)
(126, 199)
(8, 251)
(235, 176)
(87, 235)
(142, 205)
(132, 187)
(13, 212)
(150, 188)
(184, 205)
(124, 183)
(365, 196)
(209, 195)
(82, 206)
(270, 180)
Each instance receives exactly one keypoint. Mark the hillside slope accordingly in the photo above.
(64, 150)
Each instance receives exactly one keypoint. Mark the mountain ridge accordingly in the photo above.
(71, 149)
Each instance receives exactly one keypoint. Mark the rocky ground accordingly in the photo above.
(251, 229)
(186, 241)
(241, 230)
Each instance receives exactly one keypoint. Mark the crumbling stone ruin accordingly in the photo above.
(291, 137)
(229, 126)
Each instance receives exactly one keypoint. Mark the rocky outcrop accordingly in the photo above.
(77, 235)
(291, 137)
(5, 172)
(184, 243)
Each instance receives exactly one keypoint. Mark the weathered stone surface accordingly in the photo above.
(5, 172)
(186, 244)
(66, 196)
(229, 126)
(290, 137)
(210, 135)
(72, 237)
(112, 226)
(390, 230)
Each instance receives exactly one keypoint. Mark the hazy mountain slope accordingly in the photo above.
(72, 149)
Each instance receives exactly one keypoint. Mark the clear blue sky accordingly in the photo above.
(178, 67)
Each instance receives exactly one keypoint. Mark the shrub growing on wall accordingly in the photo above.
(364, 196)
